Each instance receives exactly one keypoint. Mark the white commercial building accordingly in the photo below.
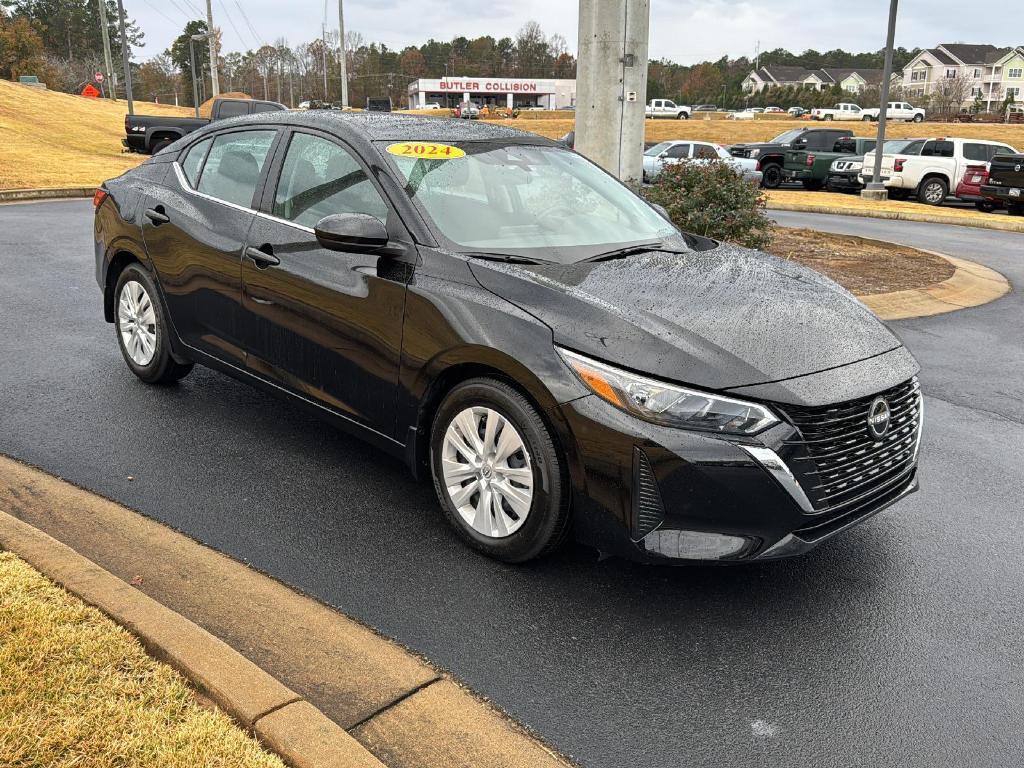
(507, 92)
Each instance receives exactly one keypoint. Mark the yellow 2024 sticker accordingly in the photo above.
(427, 150)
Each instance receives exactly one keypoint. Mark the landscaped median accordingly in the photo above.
(313, 685)
(852, 205)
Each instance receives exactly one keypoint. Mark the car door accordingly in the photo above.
(675, 154)
(322, 323)
(195, 227)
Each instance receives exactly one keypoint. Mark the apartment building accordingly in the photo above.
(850, 80)
(986, 71)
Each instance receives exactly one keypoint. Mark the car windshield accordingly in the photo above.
(787, 137)
(657, 149)
(526, 202)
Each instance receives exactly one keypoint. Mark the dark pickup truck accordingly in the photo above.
(771, 155)
(149, 135)
(1006, 183)
(813, 168)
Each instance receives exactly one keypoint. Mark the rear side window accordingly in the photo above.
(233, 109)
(979, 152)
(845, 145)
(265, 106)
(937, 149)
(705, 152)
(319, 178)
(193, 162)
(233, 167)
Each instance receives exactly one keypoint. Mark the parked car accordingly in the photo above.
(841, 111)
(1005, 183)
(812, 167)
(702, 152)
(149, 134)
(844, 174)
(969, 188)
(666, 108)
(932, 172)
(772, 154)
(554, 367)
(774, 110)
(431, 105)
(757, 110)
(797, 111)
(896, 110)
(705, 108)
(467, 110)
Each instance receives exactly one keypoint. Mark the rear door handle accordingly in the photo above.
(157, 216)
(262, 258)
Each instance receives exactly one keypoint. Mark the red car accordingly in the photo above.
(969, 188)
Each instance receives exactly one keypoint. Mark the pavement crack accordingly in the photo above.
(277, 707)
(394, 702)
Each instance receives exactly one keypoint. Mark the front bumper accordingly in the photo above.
(844, 181)
(721, 498)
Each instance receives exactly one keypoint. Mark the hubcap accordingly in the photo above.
(136, 320)
(933, 193)
(487, 471)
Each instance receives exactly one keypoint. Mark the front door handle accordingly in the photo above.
(263, 257)
(157, 216)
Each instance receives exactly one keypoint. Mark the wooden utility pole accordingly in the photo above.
(108, 60)
(344, 62)
(124, 58)
(214, 80)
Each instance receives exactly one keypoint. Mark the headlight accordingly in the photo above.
(669, 404)
(856, 166)
(753, 152)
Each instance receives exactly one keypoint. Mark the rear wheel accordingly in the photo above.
(771, 176)
(140, 323)
(498, 474)
(828, 117)
(933, 191)
(160, 144)
(985, 206)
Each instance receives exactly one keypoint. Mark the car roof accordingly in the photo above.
(386, 126)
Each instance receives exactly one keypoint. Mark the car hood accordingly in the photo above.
(722, 318)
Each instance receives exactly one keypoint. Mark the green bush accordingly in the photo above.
(713, 200)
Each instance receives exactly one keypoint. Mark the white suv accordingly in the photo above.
(930, 168)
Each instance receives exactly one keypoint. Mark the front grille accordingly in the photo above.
(839, 464)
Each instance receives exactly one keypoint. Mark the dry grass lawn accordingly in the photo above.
(78, 690)
(50, 139)
(864, 267)
(854, 203)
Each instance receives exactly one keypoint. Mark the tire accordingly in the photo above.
(918, 118)
(536, 529)
(682, 116)
(828, 118)
(867, 118)
(771, 176)
(813, 185)
(160, 145)
(933, 191)
(142, 317)
(986, 206)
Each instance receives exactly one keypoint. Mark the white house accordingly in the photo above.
(849, 79)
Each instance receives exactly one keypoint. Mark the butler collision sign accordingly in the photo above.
(493, 91)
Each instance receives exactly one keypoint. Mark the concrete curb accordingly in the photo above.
(927, 218)
(50, 193)
(971, 285)
(293, 728)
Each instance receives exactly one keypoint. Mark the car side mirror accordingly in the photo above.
(358, 232)
(662, 210)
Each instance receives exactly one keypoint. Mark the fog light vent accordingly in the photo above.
(648, 511)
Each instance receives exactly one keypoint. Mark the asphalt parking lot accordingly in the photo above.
(897, 644)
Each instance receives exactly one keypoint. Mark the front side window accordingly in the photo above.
(320, 178)
(657, 149)
(678, 151)
(232, 170)
(193, 162)
(543, 203)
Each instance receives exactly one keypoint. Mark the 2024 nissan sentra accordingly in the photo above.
(508, 318)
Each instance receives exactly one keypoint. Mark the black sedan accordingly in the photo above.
(518, 325)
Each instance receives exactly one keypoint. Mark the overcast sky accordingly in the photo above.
(685, 31)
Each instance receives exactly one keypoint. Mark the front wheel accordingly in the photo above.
(918, 118)
(682, 116)
(771, 176)
(142, 330)
(501, 480)
(933, 191)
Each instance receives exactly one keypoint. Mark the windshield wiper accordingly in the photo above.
(506, 257)
(632, 250)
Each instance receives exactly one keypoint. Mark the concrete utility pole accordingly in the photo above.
(124, 58)
(875, 190)
(611, 85)
(192, 58)
(108, 60)
(214, 80)
(344, 62)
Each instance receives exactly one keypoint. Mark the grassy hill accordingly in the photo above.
(50, 139)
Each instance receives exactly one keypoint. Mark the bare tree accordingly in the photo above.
(949, 95)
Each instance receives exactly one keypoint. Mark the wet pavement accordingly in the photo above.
(897, 644)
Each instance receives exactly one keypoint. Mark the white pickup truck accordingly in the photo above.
(842, 111)
(896, 110)
(666, 108)
(930, 168)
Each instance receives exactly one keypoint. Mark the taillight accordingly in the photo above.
(810, 161)
(897, 164)
(127, 126)
(757, 166)
(98, 197)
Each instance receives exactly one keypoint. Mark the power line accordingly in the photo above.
(245, 18)
(154, 8)
(231, 21)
